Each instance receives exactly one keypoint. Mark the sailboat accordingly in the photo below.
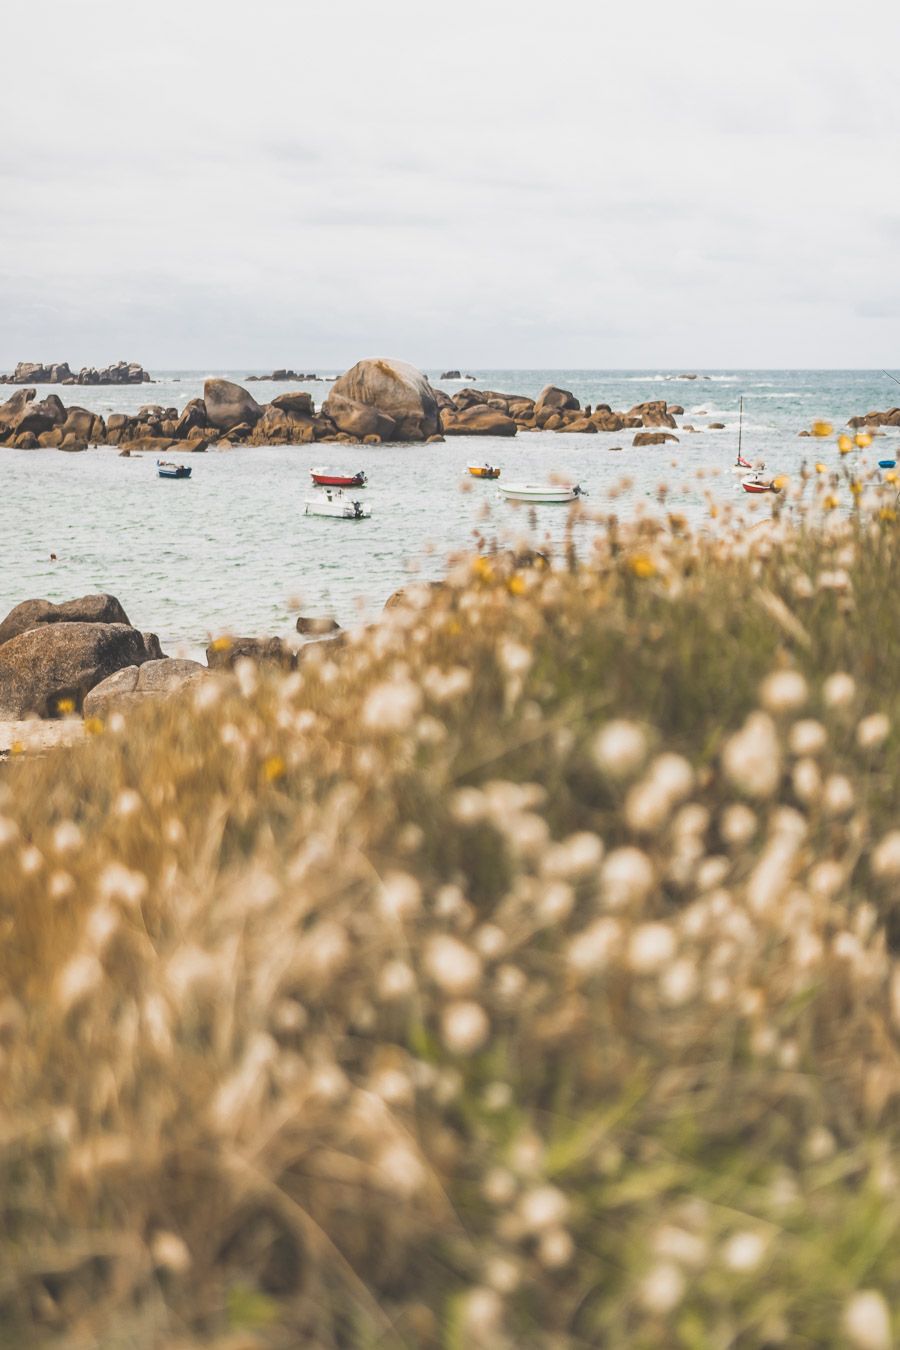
(741, 465)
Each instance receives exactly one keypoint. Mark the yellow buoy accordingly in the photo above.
(862, 439)
(845, 445)
(822, 428)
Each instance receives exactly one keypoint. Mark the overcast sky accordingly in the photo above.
(190, 183)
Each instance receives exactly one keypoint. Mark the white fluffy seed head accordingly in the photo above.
(743, 1251)
(867, 1321)
(626, 878)
(453, 966)
(619, 749)
(392, 705)
(651, 946)
(873, 731)
(593, 949)
(886, 857)
(807, 737)
(662, 1289)
(464, 1027)
(752, 757)
(783, 691)
(839, 690)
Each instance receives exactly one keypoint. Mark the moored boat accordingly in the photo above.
(332, 502)
(483, 471)
(542, 492)
(759, 482)
(338, 478)
(167, 469)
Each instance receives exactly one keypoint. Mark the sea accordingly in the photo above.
(231, 552)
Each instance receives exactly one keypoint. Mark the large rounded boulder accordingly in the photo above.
(397, 390)
(86, 609)
(228, 405)
(478, 420)
(359, 419)
(134, 686)
(49, 670)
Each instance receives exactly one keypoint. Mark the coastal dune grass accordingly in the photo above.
(522, 973)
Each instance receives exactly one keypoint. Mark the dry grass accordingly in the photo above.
(523, 975)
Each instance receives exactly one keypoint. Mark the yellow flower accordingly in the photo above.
(890, 476)
(454, 628)
(863, 439)
(642, 566)
(855, 487)
(516, 585)
(821, 468)
(845, 445)
(780, 482)
(887, 513)
(17, 748)
(274, 768)
(831, 502)
(482, 569)
(65, 706)
(220, 644)
(822, 428)
(93, 726)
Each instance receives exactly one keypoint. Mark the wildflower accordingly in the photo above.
(481, 1313)
(626, 878)
(170, 1253)
(464, 1028)
(619, 749)
(886, 857)
(503, 1274)
(662, 1289)
(453, 966)
(867, 1321)
(576, 856)
(806, 780)
(400, 896)
(468, 806)
(873, 731)
(392, 705)
(743, 1251)
(783, 691)
(839, 690)
(592, 950)
(399, 1169)
(396, 982)
(642, 566)
(498, 1096)
(819, 1144)
(93, 726)
(542, 1208)
(738, 824)
(499, 1186)
(8, 831)
(31, 860)
(274, 768)
(490, 941)
(247, 676)
(60, 885)
(651, 946)
(220, 644)
(127, 803)
(556, 902)
(117, 882)
(77, 980)
(678, 1244)
(678, 983)
(514, 659)
(838, 796)
(65, 706)
(752, 757)
(807, 737)
(555, 1249)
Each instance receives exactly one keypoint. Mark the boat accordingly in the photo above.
(542, 492)
(741, 463)
(758, 482)
(337, 478)
(332, 502)
(166, 469)
(483, 471)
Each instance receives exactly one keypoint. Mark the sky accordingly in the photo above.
(586, 184)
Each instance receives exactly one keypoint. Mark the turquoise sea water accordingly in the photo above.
(231, 551)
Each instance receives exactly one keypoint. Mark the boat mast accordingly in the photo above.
(740, 428)
(890, 376)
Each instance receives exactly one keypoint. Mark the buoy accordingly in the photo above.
(845, 445)
(863, 439)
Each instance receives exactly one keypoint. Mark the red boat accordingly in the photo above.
(757, 482)
(335, 478)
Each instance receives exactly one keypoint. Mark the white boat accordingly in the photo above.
(542, 492)
(334, 503)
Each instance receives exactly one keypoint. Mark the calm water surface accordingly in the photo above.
(231, 551)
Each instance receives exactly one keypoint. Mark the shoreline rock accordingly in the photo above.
(59, 372)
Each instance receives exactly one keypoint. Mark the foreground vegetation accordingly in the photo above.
(521, 974)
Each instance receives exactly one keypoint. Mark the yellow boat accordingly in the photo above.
(483, 471)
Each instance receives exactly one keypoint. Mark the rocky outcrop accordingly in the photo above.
(37, 372)
(222, 654)
(891, 418)
(554, 400)
(450, 375)
(86, 609)
(49, 670)
(136, 685)
(653, 438)
(229, 406)
(477, 420)
(281, 375)
(317, 627)
(652, 414)
(398, 391)
(358, 419)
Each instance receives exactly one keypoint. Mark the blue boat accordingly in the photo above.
(166, 469)
(887, 464)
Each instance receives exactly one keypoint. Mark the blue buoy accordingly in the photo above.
(887, 464)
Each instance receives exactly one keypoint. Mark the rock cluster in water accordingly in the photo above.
(36, 372)
(281, 375)
(375, 401)
(890, 418)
